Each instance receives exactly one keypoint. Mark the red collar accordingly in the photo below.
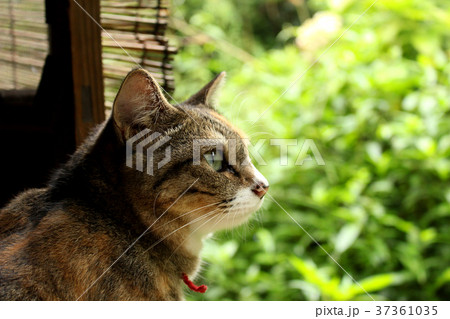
(192, 286)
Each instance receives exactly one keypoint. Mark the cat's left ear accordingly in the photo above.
(208, 95)
(139, 100)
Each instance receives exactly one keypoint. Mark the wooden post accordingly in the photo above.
(87, 68)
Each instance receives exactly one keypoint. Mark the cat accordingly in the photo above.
(102, 230)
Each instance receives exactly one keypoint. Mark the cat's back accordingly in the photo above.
(52, 249)
(16, 221)
(42, 245)
(19, 213)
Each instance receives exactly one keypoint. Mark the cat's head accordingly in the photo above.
(200, 168)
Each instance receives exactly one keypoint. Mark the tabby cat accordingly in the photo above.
(102, 230)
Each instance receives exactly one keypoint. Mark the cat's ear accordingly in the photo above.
(208, 95)
(138, 100)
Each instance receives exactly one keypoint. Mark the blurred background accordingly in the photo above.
(376, 104)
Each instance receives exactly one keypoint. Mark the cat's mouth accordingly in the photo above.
(224, 203)
(240, 207)
(229, 213)
(244, 201)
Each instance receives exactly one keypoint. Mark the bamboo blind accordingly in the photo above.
(138, 32)
(23, 43)
(137, 27)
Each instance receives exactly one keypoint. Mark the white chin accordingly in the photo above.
(241, 208)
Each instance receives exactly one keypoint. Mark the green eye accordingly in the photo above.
(215, 160)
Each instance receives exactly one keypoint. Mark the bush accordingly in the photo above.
(377, 106)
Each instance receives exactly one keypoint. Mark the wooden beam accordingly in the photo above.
(87, 72)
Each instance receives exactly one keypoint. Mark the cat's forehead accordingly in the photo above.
(219, 125)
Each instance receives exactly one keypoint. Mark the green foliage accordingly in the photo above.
(377, 106)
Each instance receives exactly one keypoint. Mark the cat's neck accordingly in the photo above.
(194, 243)
(94, 177)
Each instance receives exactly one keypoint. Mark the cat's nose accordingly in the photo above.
(260, 188)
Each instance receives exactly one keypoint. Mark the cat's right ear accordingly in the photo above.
(208, 95)
(138, 101)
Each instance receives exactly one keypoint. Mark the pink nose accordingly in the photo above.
(260, 189)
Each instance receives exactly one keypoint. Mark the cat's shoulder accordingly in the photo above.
(29, 208)
(27, 200)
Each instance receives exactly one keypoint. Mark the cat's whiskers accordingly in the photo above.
(224, 214)
(252, 125)
(154, 203)
(220, 218)
(260, 133)
(234, 216)
(240, 107)
(190, 212)
(181, 227)
(192, 233)
(237, 229)
(231, 107)
(258, 217)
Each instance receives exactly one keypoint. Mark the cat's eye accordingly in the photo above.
(218, 163)
(215, 160)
